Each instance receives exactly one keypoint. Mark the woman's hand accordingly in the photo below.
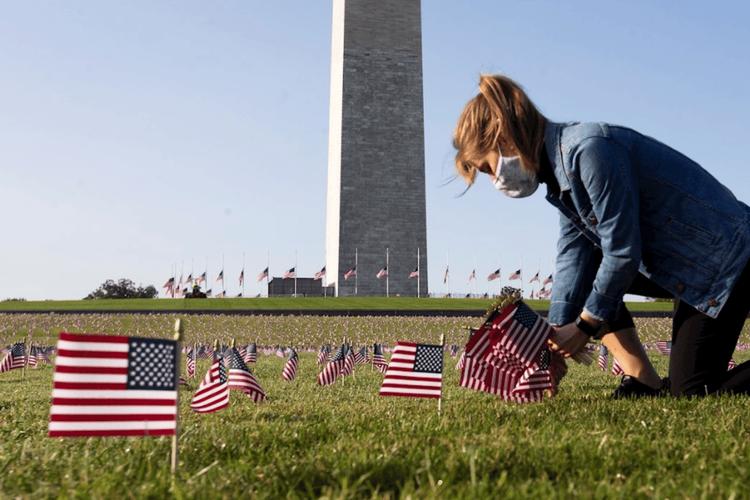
(567, 340)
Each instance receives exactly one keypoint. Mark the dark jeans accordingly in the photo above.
(701, 345)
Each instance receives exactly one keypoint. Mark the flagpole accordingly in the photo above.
(418, 273)
(243, 275)
(223, 281)
(387, 273)
(268, 266)
(440, 399)
(295, 272)
(175, 449)
(356, 270)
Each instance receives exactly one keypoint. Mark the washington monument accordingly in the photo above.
(376, 169)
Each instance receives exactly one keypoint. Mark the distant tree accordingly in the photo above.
(122, 289)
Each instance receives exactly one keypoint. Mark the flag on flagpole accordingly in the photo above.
(169, 284)
(603, 360)
(445, 275)
(16, 358)
(213, 392)
(473, 274)
(547, 280)
(323, 354)
(241, 378)
(378, 358)
(242, 277)
(352, 272)
(515, 276)
(616, 367)
(320, 274)
(263, 274)
(220, 277)
(201, 279)
(290, 368)
(415, 370)
(382, 273)
(333, 368)
(190, 363)
(291, 273)
(251, 353)
(664, 347)
(494, 276)
(535, 278)
(414, 273)
(106, 385)
(189, 278)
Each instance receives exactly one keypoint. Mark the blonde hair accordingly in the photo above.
(501, 116)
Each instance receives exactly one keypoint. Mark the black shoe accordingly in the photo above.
(630, 387)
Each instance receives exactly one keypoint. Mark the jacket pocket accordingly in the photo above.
(689, 232)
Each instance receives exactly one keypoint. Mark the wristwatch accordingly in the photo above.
(587, 328)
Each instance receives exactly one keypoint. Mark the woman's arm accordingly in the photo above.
(575, 269)
(606, 173)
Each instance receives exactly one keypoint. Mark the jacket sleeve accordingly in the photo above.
(575, 268)
(606, 173)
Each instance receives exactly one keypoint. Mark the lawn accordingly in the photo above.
(346, 441)
(285, 303)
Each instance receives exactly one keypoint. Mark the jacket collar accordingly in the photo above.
(553, 144)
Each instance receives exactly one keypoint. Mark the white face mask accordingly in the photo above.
(512, 179)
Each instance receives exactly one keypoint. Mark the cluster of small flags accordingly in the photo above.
(15, 356)
(508, 356)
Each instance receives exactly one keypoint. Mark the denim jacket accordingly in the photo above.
(649, 209)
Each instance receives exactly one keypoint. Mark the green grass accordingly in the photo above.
(346, 441)
(285, 303)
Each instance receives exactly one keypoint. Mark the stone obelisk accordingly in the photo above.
(376, 169)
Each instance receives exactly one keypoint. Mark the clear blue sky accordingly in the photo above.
(136, 136)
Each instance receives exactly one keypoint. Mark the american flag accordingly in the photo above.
(333, 368)
(242, 277)
(445, 275)
(320, 274)
(263, 274)
(382, 273)
(189, 278)
(190, 363)
(213, 392)
(220, 277)
(493, 276)
(348, 367)
(378, 358)
(169, 284)
(461, 361)
(535, 278)
(664, 347)
(16, 358)
(732, 364)
(241, 378)
(414, 273)
(201, 279)
(350, 273)
(32, 359)
(323, 354)
(114, 386)
(616, 367)
(291, 273)
(290, 368)
(415, 370)
(603, 360)
(508, 357)
(361, 356)
(473, 274)
(547, 280)
(515, 276)
(251, 353)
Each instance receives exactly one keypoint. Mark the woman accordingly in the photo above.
(635, 217)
